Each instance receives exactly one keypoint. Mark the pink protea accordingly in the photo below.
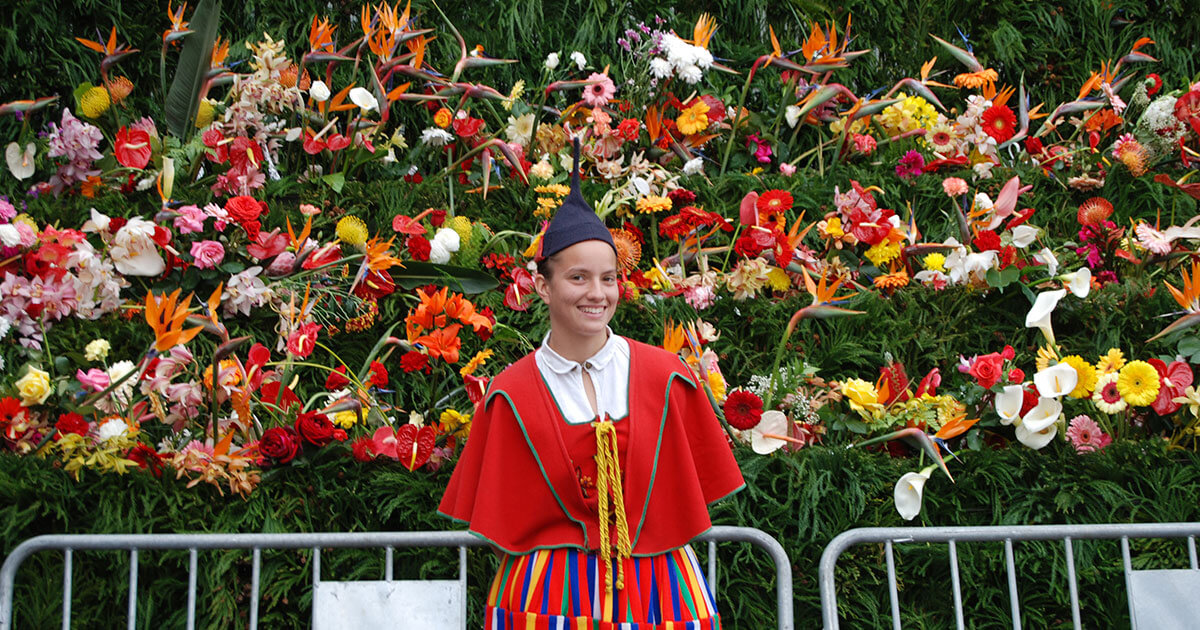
(1085, 435)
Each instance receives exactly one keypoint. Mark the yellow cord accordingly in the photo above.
(608, 480)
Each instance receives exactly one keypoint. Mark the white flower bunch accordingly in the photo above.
(445, 242)
(681, 59)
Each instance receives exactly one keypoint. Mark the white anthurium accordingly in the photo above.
(1039, 315)
(1043, 415)
(1057, 380)
(364, 99)
(763, 437)
(1024, 235)
(1079, 283)
(1008, 403)
(910, 490)
(319, 91)
(1046, 257)
(20, 162)
(1036, 439)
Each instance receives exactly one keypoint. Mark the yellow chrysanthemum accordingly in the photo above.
(518, 89)
(1138, 383)
(832, 228)
(693, 119)
(883, 252)
(476, 362)
(455, 423)
(461, 225)
(1087, 376)
(858, 126)
(1112, 361)
(652, 204)
(352, 231)
(911, 113)
(935, 262)
(778, 280)
(1045, 356)
(716, 383)
(94, 102)
(344, 419)
(204, 114)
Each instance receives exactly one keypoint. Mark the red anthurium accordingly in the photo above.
(407, 225)
(132, 147)
(269, 244)
(337, 142)
(383, 442)
(1173, 380)
(279, 395)
(312, 146)
(414, 445)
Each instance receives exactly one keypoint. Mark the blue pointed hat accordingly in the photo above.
(574, 222)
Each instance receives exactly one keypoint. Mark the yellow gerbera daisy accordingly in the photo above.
(1087, 376)
(652, 204)
(476, 362)
(1138, 383)
(1112, 361)
(693, 119)
(1045, 355)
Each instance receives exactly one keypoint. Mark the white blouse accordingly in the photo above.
(609, 370)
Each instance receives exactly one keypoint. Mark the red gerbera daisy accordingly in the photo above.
(1094, 211)
(999, 122)
(743, 409)
(772, 205)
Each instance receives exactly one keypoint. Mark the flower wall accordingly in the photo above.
(315, 242)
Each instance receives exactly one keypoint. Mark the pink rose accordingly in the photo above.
(94, 379)
(208, 254)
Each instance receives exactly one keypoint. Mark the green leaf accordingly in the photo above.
(335, 181)
(416, 274)
(1189, 346)
(183, 99)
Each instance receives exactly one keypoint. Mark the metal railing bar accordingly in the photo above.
(958, 607)
(893, 592)
(1074, 587)
(712, 565)
(255, 572)
(1192, 552)
(784, 600)
(462, 578)
(191, 603)
(1128, 568)
(1012, 583)
(316, 565)
(133, 577)
(66, 602)
(387, 570)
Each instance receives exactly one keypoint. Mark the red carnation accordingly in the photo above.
(743, 409)
(337, 379)
(987, 240)
(379, 375)
(413, 361)
(361, 449)
(681, 197)
(280, 444)
(418, 247)
(71, 423)
(315, 428)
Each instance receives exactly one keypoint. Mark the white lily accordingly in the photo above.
(1043, 415)
(909, 492)
(364, 99)
(1036, 439)
(1008, 403)
(1039, 315)
(1057, 380)
(1079, 283)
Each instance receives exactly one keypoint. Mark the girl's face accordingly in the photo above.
(581, 290)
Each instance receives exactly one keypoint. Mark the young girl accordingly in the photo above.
(591, 462)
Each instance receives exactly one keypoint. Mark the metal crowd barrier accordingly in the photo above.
(193, 543)
(890, 536)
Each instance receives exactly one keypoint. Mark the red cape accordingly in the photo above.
(514, 484)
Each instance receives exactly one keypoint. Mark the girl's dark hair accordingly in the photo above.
(543, 266)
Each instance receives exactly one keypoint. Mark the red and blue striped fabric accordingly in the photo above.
(563, 589)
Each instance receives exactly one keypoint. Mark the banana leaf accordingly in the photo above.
(418, 274)
(183, 98)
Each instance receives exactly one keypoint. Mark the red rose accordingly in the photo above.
(437, 218)
(280, 444)
(244, 209)
(988, 369)
(337, 379)
(1030, 399)
(315, 428)
(1016, 376)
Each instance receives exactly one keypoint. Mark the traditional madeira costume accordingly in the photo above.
(594, 512)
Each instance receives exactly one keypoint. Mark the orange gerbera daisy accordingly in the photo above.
(772, 205)
(974, 80)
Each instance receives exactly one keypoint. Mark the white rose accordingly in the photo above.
(551, 61)
(319, 91)
(449, 239)
(438, 254)
(578, 59)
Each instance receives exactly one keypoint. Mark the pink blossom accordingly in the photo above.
(94, 379)
(207, 254)
(1085, 435)
(76, 141)
(864, 144)
(7, 211)
(954, 187)
(190, 219)
(221, 216)
(598, 94)
(912, 165)
(787, 170)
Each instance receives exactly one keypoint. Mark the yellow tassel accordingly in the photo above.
(608, 482)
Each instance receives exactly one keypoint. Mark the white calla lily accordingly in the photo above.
(1036, 439)
(1008, 403)
(773, 423)
(1023, 235)
(1079, 283)
(1057, 380)
(1045, 414)
(364, 99)
(1046, 257)
(319, 91)
(1039, 315)
(909, 492)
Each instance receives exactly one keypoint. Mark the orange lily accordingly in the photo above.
(166, 317)
(442, 343)
(430, 313)
(463, 310)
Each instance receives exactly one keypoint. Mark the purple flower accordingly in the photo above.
(912, 165)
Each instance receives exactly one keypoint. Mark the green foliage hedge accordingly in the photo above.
(803, 500)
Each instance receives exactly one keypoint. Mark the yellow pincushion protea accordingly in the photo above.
(352, 231)
(119, 88)
(94, 102)
(462, 226)
(205, 114)
(1138, 383)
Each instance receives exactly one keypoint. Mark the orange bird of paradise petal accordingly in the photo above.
(443, 343)
(166, 317)
(673, 337)
(955, 427)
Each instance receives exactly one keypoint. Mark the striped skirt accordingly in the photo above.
(563, 589)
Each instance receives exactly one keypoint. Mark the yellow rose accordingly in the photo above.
(34, 387)
(862, 395)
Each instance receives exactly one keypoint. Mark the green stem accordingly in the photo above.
(736, 232)
(769, 399)
(790, 88)
(450, 178)
(733, 123)
(537, 117)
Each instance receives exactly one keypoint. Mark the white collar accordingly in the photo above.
(562, 365)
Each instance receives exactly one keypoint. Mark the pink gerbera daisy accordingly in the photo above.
(599, 93)
(1085, 435)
